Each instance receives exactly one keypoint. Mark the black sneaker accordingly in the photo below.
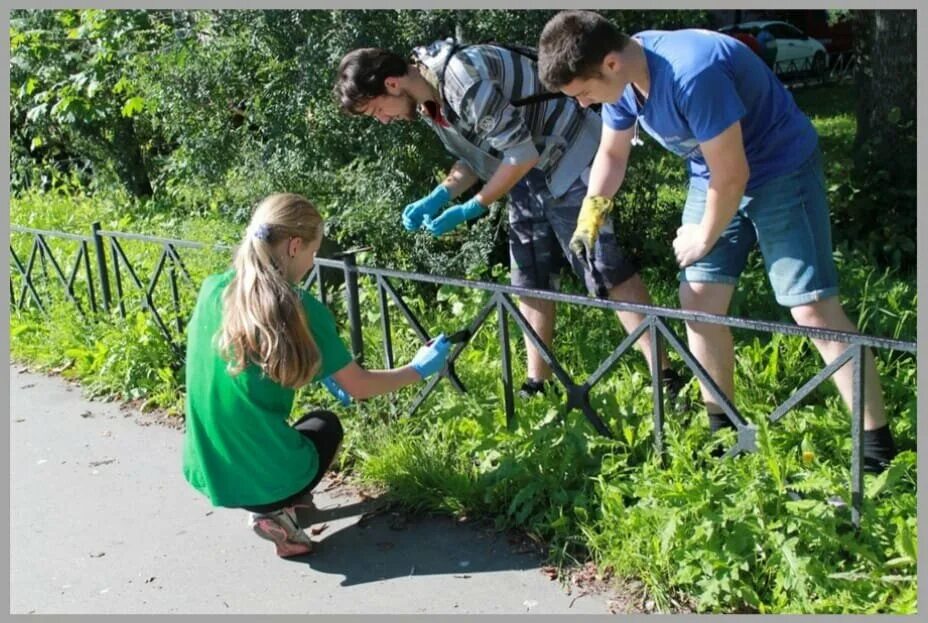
(879, 449)
(533, 387)
(876, 464)
(673, 390)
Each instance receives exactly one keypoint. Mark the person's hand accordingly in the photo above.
(427, 206)
(690, 244)
(431, 357)
(453, 216)
(592, 215)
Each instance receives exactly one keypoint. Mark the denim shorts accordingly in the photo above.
(788, 217)
(540, 227)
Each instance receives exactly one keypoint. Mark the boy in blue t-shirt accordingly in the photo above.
(755, 177)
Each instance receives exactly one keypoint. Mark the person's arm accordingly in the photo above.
(460, 178)
(606, 176)
(504, 178)
(712, 107)
(495, 120)
(361, 383)
(610, 162)
(728, 178)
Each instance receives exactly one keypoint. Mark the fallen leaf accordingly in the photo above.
(316, 530)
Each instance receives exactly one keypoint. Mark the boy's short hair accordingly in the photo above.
(573, 44)
(361, 74)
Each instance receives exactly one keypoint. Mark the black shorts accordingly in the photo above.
(540, 228)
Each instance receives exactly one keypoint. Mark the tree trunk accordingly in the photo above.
(886, 74)
(128, 161)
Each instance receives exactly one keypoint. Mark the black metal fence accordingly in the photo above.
(798, 73)
(111, 275)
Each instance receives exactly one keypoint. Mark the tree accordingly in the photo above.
(884, 146)
(886, 81)
(70, 82)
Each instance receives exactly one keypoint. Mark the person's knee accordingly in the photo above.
(631, 290)
(538, 306)
(322, 423)
(825, 314)
(334, 425)
(694, 297)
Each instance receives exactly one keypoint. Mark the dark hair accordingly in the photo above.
(361, 74)
(573, 44)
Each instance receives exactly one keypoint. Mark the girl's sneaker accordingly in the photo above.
(282, 528)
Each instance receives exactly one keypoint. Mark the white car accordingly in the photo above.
(796, 52)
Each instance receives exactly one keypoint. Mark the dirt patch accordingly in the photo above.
(154, 416)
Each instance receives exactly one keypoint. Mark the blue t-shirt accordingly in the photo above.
(701, 83)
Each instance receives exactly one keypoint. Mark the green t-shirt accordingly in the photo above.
(239, 449)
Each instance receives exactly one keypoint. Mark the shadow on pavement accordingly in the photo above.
(380, 545)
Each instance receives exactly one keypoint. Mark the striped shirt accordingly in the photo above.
(485, 130)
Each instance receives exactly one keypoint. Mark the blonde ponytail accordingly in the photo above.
(264, 322)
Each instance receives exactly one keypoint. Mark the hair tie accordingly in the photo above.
(262, 232)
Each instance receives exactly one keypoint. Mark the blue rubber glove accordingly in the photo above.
(427, 206)
(431, 357)
(454, 216)
(336, 390)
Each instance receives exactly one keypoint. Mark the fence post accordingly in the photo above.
(657, 389)
(101, 265)
(857, 437)
(506, 360)
(354, 308)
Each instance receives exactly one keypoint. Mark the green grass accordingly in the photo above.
(722, 536)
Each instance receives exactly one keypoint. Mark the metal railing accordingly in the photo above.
(499, 301)
(797, 73)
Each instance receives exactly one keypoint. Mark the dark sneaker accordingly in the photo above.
(533, 387)
(283, 530)
(673, 390)
(876, 464)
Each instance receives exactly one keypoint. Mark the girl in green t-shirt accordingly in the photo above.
(254, 338)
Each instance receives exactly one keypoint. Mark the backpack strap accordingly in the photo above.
(518, 49)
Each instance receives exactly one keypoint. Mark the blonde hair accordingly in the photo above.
(263, 317)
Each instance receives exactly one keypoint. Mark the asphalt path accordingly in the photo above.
(102, 522)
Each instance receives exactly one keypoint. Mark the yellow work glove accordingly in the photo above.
(592, 214)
